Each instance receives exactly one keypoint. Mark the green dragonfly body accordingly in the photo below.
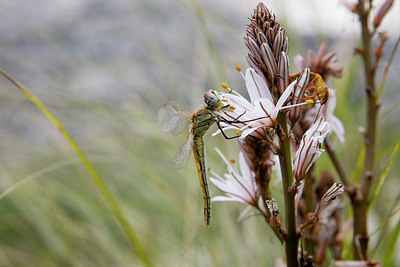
(174, 120)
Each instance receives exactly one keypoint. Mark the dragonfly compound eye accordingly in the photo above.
(210, 99)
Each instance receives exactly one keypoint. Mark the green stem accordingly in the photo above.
(287, 178)
(384, 174)
(360, 204)
(95, 177)
(336, 163)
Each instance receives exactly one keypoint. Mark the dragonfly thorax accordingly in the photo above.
(202, 119)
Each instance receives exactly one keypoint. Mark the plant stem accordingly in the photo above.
(360, 233)
(309, 197)
(336, 163)
(290, 213)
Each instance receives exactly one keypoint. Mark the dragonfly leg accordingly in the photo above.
(223, 133)
(244, 112)
(239, 121)
(234, 121)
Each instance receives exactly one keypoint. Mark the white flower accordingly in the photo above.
(330, 195)
(260, 112)
(327, 113)
(239, 186)
(309, 149)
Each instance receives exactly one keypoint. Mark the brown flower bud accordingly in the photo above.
(382, 11)
(323, 62)
(266, 41)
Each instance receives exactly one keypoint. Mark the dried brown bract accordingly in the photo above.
(323, 62)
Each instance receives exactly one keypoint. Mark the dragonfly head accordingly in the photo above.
(211, 98)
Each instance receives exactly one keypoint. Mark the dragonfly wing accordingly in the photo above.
(172, 119)
(183, 152)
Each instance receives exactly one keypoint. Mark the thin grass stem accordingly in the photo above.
(383, 176)
(386, 71)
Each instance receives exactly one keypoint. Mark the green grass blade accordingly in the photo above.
(389, 110)
(95, 177)
(385, 222)
(390, 249)
(383, 176)
(357, 172)
(38, 174)
(382, 227)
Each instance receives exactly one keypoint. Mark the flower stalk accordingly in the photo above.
(285, 161)
(336, 163)
(360, 205)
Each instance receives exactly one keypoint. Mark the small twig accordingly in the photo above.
(336, 163)
(386, 71)
(360, 208)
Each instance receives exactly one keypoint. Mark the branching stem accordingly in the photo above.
(360, 231)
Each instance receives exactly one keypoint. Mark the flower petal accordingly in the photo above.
(327, 113)
(256, 86)
(247, 174)
(237, 186)
(224, 198)
(248, 131)
(243, 213)
(309, 149)
(338, 128)
(264, 107)
(285, 95)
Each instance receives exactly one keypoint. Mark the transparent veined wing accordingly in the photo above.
(183, 152)
(172, 119)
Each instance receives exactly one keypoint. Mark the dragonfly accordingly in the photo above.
(174, 120)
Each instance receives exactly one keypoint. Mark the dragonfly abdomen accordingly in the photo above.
(199, 156)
